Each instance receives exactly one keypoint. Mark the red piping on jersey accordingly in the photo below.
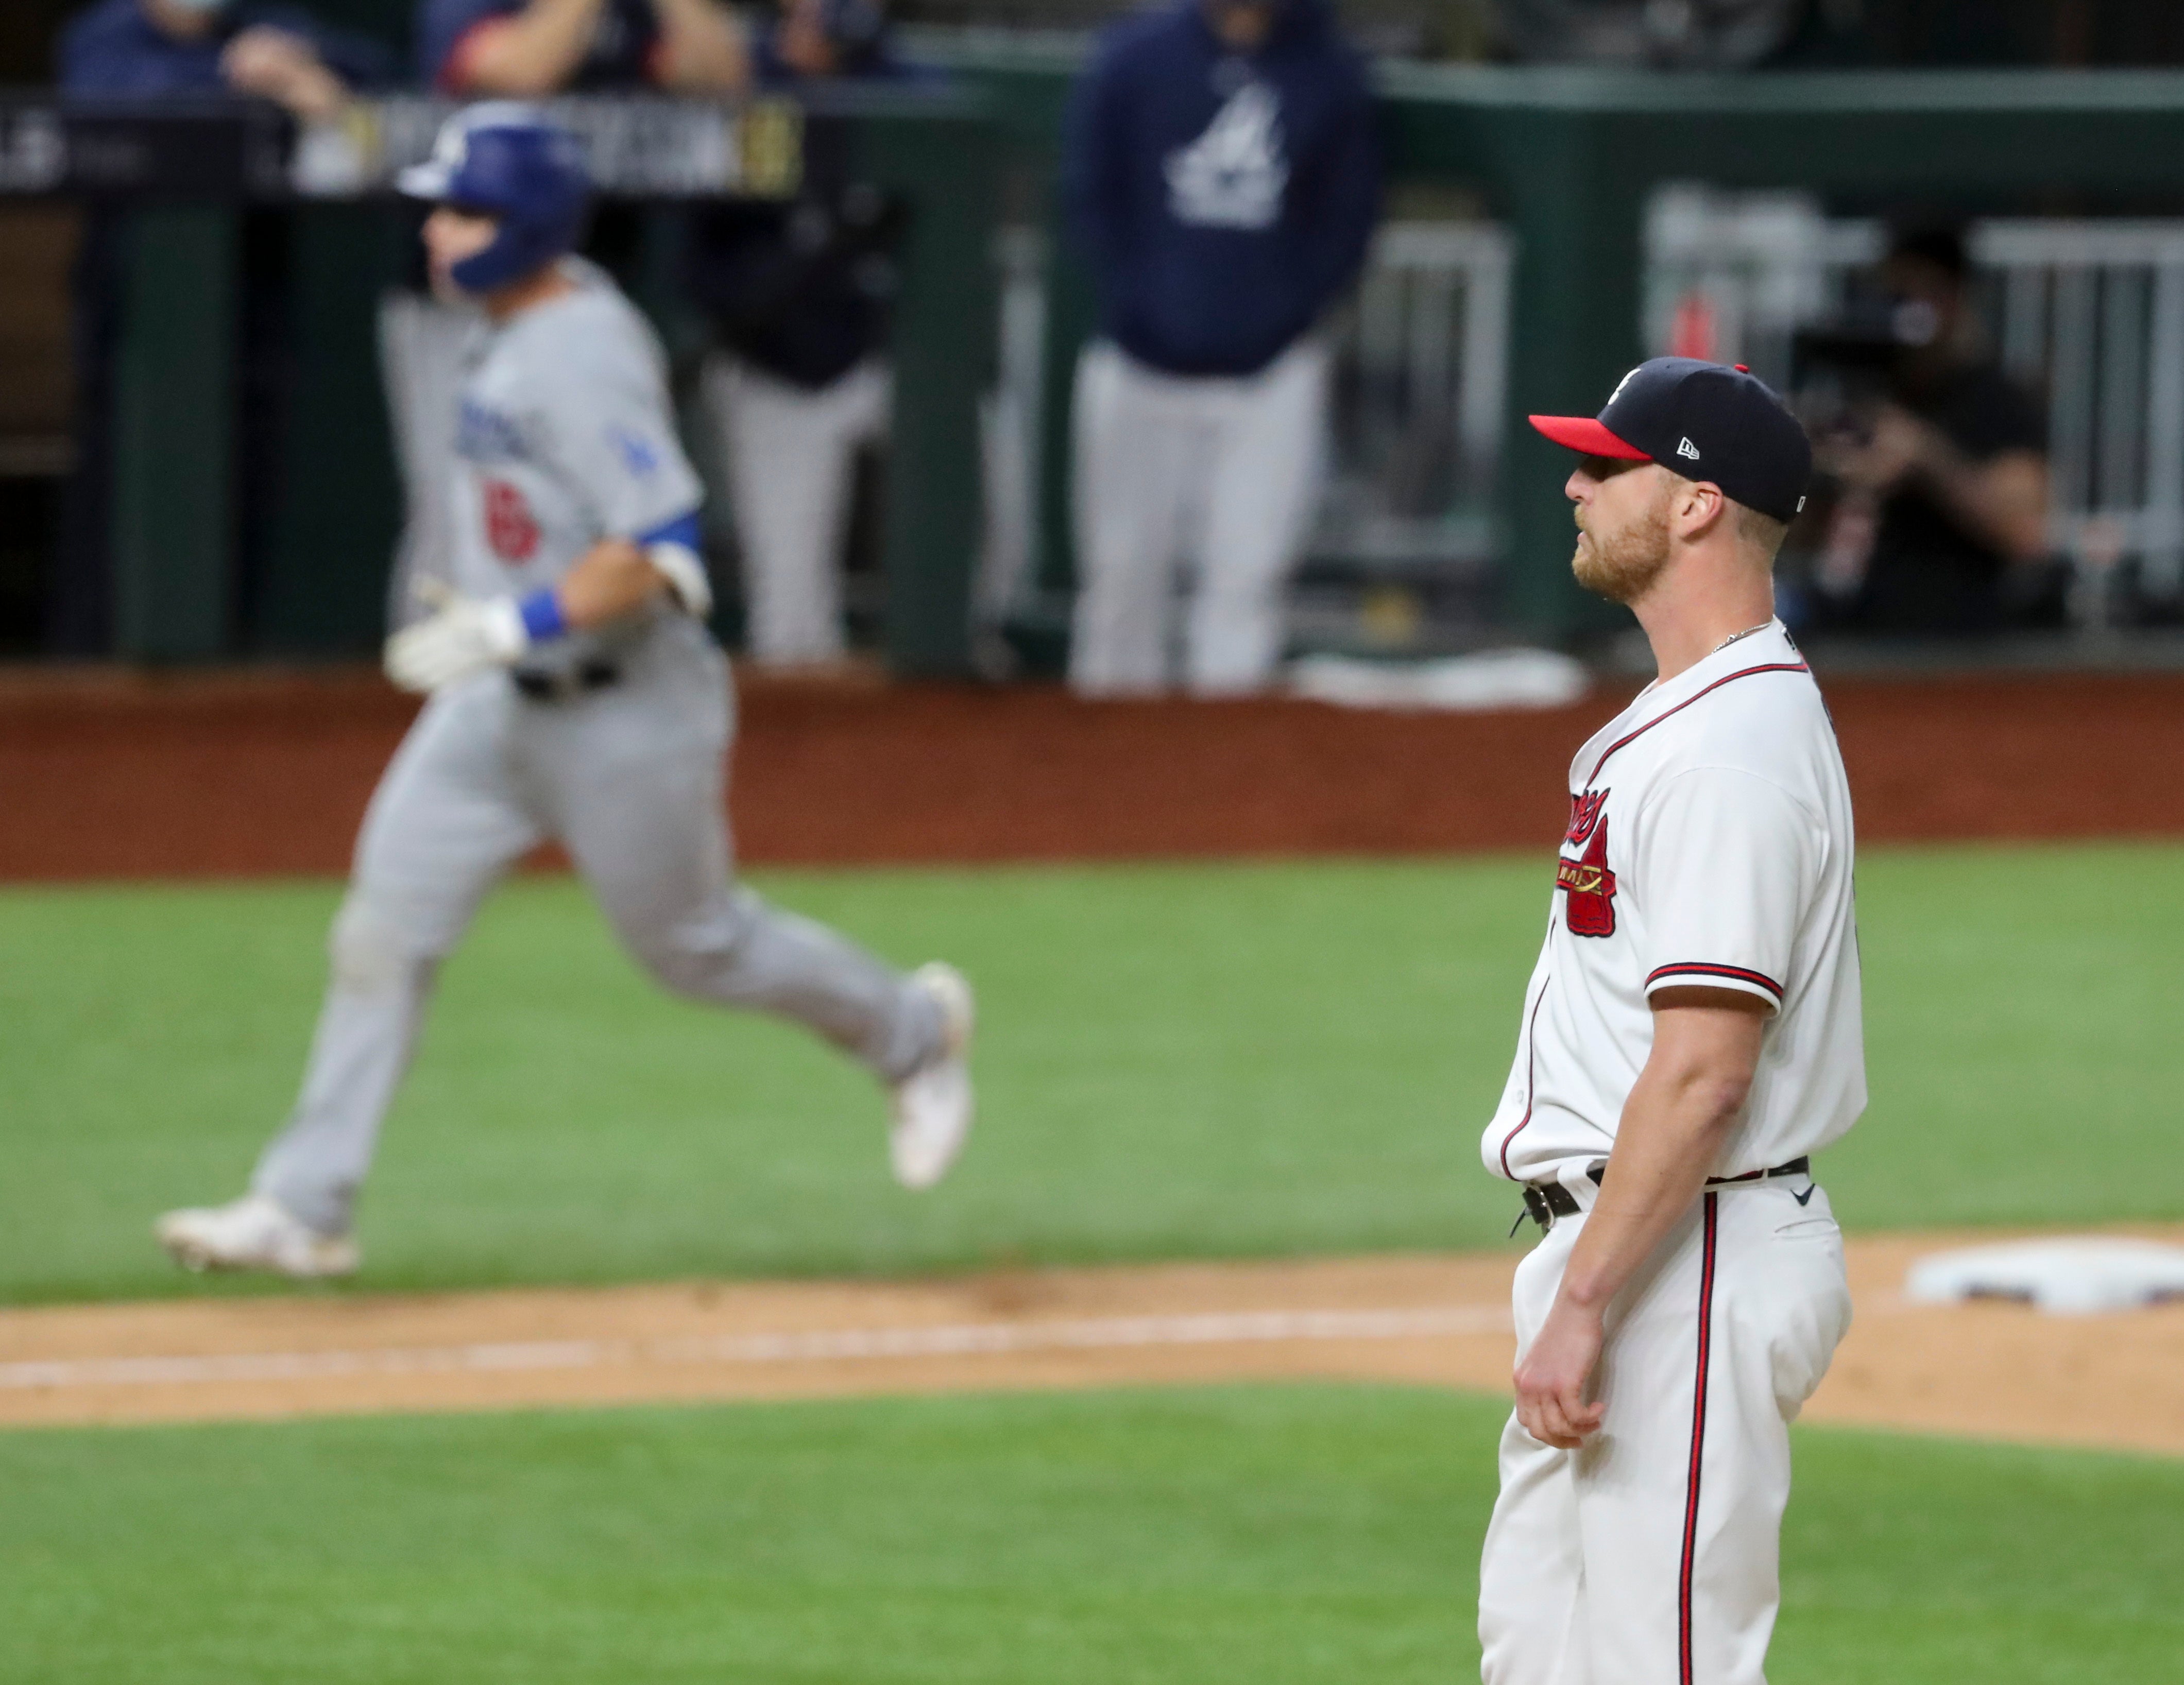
(1531, 1070)
(1698, 968)
(1770, 667)
(1698, 1449)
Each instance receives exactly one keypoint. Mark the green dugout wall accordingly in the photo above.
(319, 589)
(1565, 158)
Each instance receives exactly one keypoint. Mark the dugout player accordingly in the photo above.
(530, 48)
(1223, 177)
(140, 49)
(1689, 1037)
(798, 295)
(574, 695)
(149, 51)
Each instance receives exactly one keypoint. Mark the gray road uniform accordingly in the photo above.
(612, 742)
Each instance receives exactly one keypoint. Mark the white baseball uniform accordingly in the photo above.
(787, 454)
(1222, 472)
(1710, 844)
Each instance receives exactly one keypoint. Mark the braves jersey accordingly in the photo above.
(565, 437)
(1709, 844)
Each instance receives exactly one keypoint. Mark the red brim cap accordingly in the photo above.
(1585, 433)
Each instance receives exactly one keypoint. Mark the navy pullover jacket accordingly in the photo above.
(1223, 199)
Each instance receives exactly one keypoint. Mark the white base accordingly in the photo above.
(2070, 1278)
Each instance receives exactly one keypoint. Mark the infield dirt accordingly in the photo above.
(1984, 1370)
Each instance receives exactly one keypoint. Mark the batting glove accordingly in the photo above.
(678, 565)
(463, 635)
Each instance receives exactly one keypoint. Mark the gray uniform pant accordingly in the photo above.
(629, 779)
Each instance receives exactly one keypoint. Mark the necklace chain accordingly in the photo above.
(1733, 636)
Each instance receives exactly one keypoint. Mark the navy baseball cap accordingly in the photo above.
(1704, 421)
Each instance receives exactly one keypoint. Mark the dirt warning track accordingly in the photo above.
(114, 775)
(1985, 1370)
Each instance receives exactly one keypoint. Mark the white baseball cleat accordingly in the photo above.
(254, 1233)
(933, 1104)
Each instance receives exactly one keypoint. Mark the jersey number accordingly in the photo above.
(509, 527)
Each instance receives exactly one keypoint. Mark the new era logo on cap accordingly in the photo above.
(1678, 410)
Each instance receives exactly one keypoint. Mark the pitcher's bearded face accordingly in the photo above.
(1622, 532)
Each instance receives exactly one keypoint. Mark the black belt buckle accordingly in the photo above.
(591, 676)
(1544, 1202)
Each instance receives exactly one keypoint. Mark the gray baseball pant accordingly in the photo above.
(629, 779)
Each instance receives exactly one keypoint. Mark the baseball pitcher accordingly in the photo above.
(574, 695)
(1689, 1037)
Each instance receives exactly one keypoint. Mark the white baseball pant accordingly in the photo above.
(1223, 473)
(1650, 1556)
(629, 778)
(786, 456)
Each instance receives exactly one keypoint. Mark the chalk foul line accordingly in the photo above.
(966, 1339)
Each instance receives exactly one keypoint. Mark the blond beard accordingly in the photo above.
(1623, 567)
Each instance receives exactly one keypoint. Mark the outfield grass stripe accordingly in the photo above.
(1284, 1536)
(1206, 1061)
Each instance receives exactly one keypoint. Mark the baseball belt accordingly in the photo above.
(1544, 1201)
(592, 675)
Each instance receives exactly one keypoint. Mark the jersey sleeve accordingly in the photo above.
(613, 438)
(1727, 865)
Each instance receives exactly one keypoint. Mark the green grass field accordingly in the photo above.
(1276, 1536)
(1176, 1061)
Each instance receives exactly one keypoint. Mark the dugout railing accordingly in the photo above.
(1566, 159)
(171, 182)
(2088, 313)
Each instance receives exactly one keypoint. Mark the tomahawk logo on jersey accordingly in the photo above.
(1708, 845)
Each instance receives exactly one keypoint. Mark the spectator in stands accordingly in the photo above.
(158, 49)
(148, 49)
(1222, 176)
(798, 294)
(1942, 526)
(527, 49)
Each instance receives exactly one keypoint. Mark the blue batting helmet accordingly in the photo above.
(507, 160)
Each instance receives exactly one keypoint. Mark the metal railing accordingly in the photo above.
(2093, 312)
(1422, 362)
(2088, 313)
(1421, 359)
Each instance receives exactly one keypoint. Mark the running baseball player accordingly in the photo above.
(1689, 1037)
(574, 695)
